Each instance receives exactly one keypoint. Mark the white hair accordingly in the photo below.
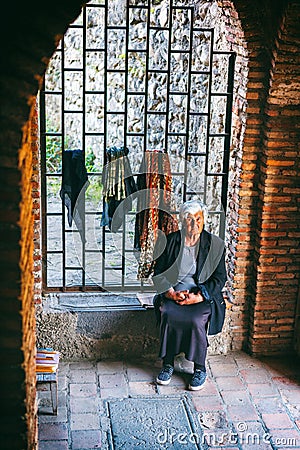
(192, 207)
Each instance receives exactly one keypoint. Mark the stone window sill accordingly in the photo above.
(84, 301)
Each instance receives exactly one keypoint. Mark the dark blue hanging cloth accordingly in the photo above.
(73, 187)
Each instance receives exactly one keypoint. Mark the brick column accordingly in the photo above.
(278, 232)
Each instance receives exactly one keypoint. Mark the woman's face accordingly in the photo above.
(194, 223)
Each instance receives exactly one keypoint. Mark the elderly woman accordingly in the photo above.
(189, 275)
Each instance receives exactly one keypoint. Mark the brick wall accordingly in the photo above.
(26, 268)
(29, 41)
(278, 230)
(36, 199)
(262, 252)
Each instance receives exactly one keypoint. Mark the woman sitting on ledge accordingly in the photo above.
(189, 275)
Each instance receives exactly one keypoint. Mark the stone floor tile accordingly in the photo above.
(53, 431)
(269, 405)
(180, 379)
(230, 384)
(207, 403)
(226, 448)
(291, 396)
(80, 405)
(115, 392)
(252, 435)
(294, 410)
(245, 361)
(111, 381)
(141, 373)
(82, 364)
(254, 376)
(222, 437)
(45, 415)
(262, 389)
(83, 390)
(224, 370)
(209, 388)
(86, 439)
(213, 420)
(284, 383)
(279, 420)
(171, 390)
(88, 421)
(83, 376)
(221, 359)
(235, 397)
(53, 445)
(287, 438)
(141, 388)
(110, 367)
(63, 368)
(286, 366)
(242, 412)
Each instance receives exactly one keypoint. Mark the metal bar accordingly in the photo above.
(95, 50)
(221, 52)
(147, 71)
(209, 110)
(106, 126)
(230, 84)
(218, 134)
(116, 27)
(157, 71)
(158, 113)
(196, 154)
(45, 133)
(215, 174)
(116, 112)
(178, 93)
(95, 92)
(204, 30)
(95, 5)
(71, 69)
(200, 72)
(198, 114)
(62, 156)
(167, 114)
(187, 154)
(43, 181)
(52, 92)
(73, 111)
(83, 239)
(220, 94)
(115, 70)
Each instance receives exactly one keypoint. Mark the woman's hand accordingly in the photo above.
(177, 296)
(191, 299)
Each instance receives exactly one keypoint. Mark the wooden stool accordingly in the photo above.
(47, 372)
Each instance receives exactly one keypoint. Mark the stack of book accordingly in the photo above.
(47, 360)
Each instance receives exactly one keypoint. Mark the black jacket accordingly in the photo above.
(166, 269)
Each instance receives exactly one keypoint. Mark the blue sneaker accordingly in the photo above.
(164, 376)
(198, 380)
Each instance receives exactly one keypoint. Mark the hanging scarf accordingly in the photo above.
(155, 203)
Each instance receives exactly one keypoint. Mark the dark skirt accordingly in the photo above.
(184, 329)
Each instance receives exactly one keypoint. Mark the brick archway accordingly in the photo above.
(29, 41)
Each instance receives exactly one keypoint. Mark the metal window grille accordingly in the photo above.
(131, 78)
